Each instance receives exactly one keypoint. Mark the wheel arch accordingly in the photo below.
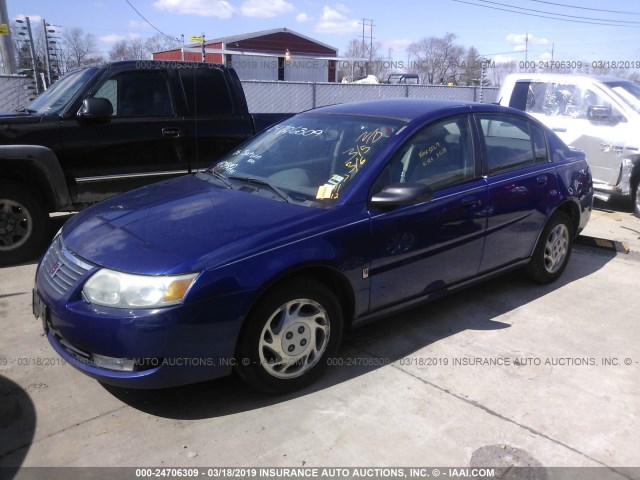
(337, 283)
(569, 208)
(572, 210)
(38, 167)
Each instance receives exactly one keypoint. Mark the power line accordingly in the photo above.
(559, 14)
(542, 16)
(151, 24)
(586, 8)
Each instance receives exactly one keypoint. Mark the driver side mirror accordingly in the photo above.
(402, 194)
(95, 109)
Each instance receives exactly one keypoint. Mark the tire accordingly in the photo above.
(280, 352)
(553, 250)
(24, 224)
(635, 198)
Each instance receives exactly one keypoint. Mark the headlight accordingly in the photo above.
(124, 290)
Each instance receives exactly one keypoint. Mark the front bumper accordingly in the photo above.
(147, 348)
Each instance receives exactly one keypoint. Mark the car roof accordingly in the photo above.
(405, 108)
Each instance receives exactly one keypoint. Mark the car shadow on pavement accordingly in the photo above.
(614, 204)
(372, 346)
(17, 426)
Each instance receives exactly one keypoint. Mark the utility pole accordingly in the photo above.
(526, 51)
(367, 49)
(6, 46)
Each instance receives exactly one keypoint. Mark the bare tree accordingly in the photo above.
(471, 68)
(138, 49)
(438, 60)
(424, 57)
(79, 48)
(372, 63)
(500, 70)
(119, 51)
(159, 43)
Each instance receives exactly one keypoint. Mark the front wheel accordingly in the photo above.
(553, 250)
(635, 197)
(289, 336)
(24, 223)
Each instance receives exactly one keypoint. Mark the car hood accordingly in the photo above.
(183, 224)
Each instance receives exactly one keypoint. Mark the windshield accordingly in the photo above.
(628, 91)
(309, 159)
(58, 95)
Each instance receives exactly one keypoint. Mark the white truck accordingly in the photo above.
(598, 115)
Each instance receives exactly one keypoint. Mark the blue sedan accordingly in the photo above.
(328, 220)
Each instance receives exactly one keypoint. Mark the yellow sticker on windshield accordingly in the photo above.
(324, 191)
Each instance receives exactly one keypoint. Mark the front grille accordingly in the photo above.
(60, 269)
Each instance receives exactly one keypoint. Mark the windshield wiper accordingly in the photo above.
(259, 181)
(220, 177)
(25, 109)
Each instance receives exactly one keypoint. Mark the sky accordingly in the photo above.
(591, 30)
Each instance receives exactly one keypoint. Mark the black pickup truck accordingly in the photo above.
(103, 130)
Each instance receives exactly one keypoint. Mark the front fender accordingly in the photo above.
(41, 163)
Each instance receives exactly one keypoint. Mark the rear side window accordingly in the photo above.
(206, 91)
(512, 142)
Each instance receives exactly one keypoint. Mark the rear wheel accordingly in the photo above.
(289, 336)
(553, 250)
(635, 197)
(24, 223)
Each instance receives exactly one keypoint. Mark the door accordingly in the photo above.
(140, 144)
(418, 249)
(521, 181)
(583, 118)
(216, 121)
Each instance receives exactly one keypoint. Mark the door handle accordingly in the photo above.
(470, 201)
(559, 129)
(171, 132)
(542, 179)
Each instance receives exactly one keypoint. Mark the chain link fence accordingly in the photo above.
(15, 91)
(293, 97)
(288, 97)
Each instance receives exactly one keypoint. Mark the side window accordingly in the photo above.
(206, 91)
(136, 94)
(540, 150)
(512, 142)
(109, 90)
(564, 100)
(535, 97)
(439, 155)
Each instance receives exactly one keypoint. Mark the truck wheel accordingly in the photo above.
(288, 338)
(553, 250)
(24, 224)
(635, 198)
